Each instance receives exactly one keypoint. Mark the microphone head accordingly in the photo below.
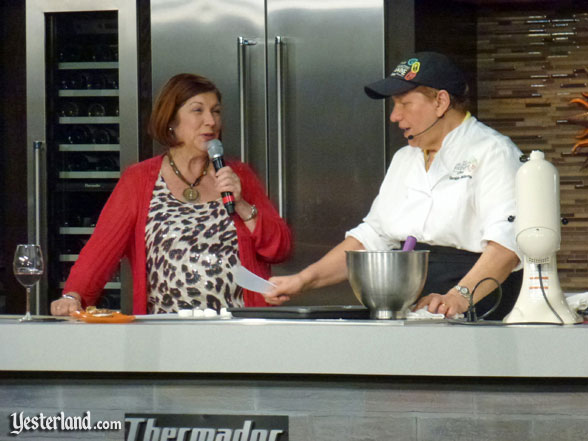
(215, 148)
(410, 137)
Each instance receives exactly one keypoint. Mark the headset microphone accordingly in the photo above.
(411, 137)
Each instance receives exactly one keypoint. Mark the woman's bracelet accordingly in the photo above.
(68, 296)
(253, 214)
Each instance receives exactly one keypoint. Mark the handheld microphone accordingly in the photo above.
(215, 153)
(411, 137)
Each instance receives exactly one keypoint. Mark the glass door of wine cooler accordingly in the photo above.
(89, 133)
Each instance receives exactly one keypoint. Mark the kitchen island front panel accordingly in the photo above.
(262, 346)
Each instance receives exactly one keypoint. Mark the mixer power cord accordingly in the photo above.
(471, 315)
(561, 322)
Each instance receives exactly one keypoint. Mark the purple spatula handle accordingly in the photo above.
(409, 243)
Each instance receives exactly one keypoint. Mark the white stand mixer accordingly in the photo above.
(538, 235)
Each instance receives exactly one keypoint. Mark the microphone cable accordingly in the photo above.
(411, 137)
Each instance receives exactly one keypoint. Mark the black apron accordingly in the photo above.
(447, 266)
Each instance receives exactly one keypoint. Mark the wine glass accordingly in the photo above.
(28, 269)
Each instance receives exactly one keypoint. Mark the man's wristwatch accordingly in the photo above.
(464, 291)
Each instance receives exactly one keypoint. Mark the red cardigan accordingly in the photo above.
(120, 232)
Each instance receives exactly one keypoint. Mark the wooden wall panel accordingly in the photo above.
(531, 63)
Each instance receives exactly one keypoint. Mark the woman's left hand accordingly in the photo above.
(449, 304)
(227, 180)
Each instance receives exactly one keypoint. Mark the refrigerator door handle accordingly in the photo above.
(242, 44)
(37, 147)
(280, 120)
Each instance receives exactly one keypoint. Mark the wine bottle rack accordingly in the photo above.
(88, 93)
(89, 120)
(89, 147)
(88, 65)
(76, 230)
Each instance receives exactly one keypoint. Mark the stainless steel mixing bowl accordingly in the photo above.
(387, 282)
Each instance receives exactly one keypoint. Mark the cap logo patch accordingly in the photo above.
(407, 70)
(401, 70)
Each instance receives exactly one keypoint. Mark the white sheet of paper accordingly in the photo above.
(250, 281)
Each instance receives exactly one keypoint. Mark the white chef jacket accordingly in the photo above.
(462, 201)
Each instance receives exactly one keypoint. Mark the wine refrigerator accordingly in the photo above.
(82, 129)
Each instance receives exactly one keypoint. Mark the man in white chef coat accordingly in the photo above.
(451, 187)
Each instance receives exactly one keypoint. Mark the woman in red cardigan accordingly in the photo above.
(167, 216)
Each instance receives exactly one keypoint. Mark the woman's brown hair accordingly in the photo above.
(171, 97)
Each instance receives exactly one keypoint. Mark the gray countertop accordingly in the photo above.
(348, 347)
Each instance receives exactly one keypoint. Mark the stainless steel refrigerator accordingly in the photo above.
(82, 107)
(292, 76)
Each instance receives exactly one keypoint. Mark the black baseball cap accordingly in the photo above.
(430, 69)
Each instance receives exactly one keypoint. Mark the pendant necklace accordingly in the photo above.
(190, 193)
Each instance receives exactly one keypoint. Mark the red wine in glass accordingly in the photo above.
(28, 268)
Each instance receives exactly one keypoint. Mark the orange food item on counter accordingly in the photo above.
(96, 315)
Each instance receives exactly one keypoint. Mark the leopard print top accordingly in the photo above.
(191, 250)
